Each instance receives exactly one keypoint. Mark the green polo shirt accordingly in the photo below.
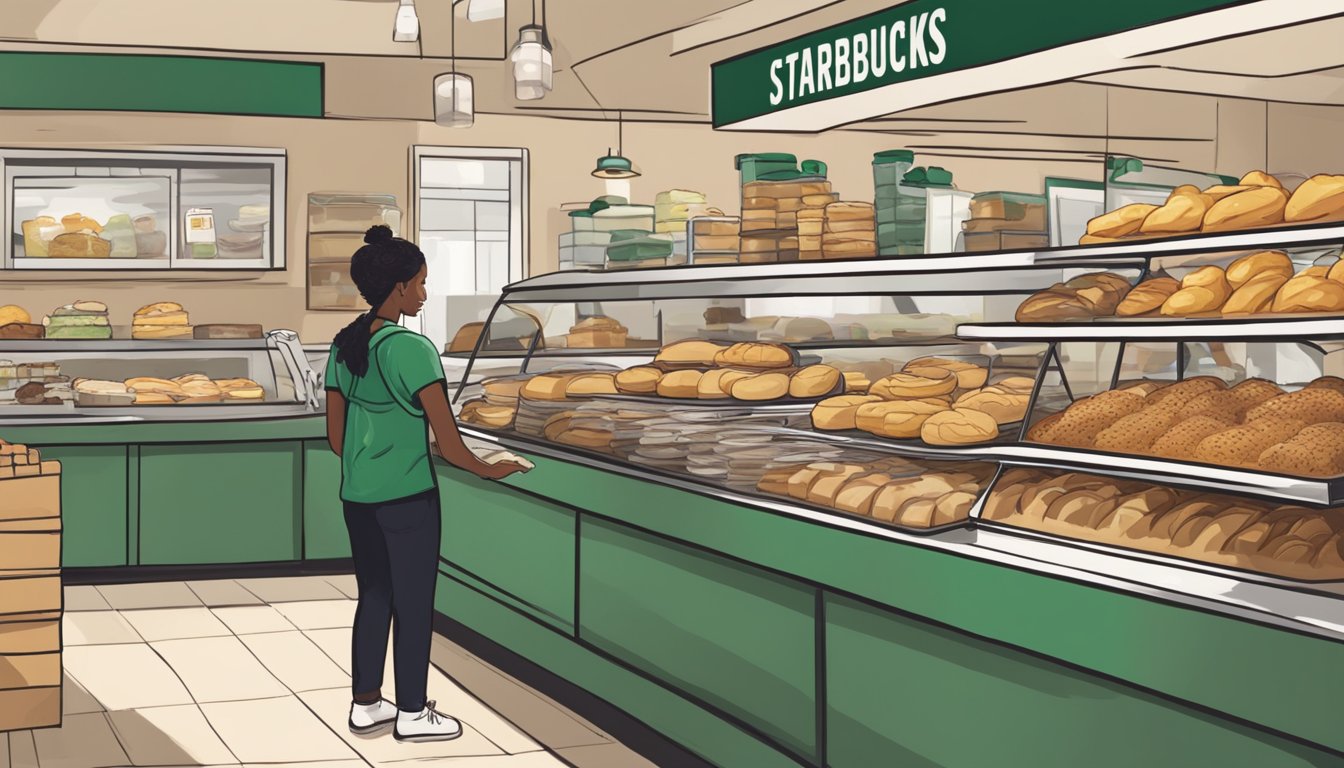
(386, 451)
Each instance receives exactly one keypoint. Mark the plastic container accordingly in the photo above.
(890, 167)
(1129, 180)
(350, 212)
(624, 217)
(1025, 209)
(753, 167)
(1003, 240)
(923, 214)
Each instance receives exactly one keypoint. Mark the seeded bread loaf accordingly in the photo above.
(1312, 405)
(1241, 446)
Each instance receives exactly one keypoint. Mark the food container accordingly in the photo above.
(633, 248)
(342, 212)
(241, 246)
(1028, 211)
(333, 247)
(623, 217)
(330, 286)
(753, 167)
(1004, 240)
(920, 214)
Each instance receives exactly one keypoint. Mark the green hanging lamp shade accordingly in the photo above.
(611, 166)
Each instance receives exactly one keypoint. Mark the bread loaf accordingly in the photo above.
(1082, 421)
(701, 353)
(1223, 191)
(1258, 207)
(1134, 433)
(1054, 305)
(1252, 392)
(1003, 407)
(1177, 395)
(898, 493)
(826, 489)
(901, 419)
(1256, 295)
(765, 386)
(1243, 269)
(1241, 446)
(756, 355)
(1044, 431)
(1182, 213)
(79, 245)
(857, 495)
(1102, 292)
(1316, 451)
(814, 381)
(961, 426)
(1308, 293)
(1312, 405)
(1180, 441)
(548, 386)
(1336, 272)
(1120, 222)
(640, 380)
(680, 384)
(1327, 382)
(1147, 297)
(901, 386)
(1203, 290)
(1260, 179)
(856, 382)
(969, 375)
(839, 413)
(591, 384)
(730, 377)
(1319, 197)
(710, 386)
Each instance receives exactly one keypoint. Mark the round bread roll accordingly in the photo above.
(1257, 207)
(856, 382)
(900, 386)
(591, 384)
(1147, 297)
(1252, 392)
(765, 386)
(901, 419)
(1243, 269)
(731, 377)
(1003, 407)
(12, 313)
(1315, 271)
(640, 380)
(680, 384)
(1316, 198)
(547, 387)
(503, 391)
(497, 416)
(1015, 384)
(839, 413)
(756, 355)
(814, 381)
(969, 375)
(1256, 295)
(1120, 222)
(1203, 290)
(961, 426)
(691, 352)
(711, 384)
(1308, 293)
(1260, 179)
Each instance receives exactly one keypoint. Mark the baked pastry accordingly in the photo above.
(503, 391)
(729, 377)
(856, 382)
(1177, 395)
(1120, 222)
(1243, 269)
(79, 245)
(481, 413)
(899, 386)
(896, 494)
(1255, 295)
(901, 419)
(1327, 382)
(1316, 451)
(1180, 441)
(710, 386)
(969, 375)
(1053, 305)
(1260, 179)
(1258, 207)
(78, 222)
(1134, 433)
(826, 488)
(680, 384)
(1147, 297)
(857, 495)
(37, 232)
(1203, 290)
(591, 384)
(1101, 292)
(765, 386)
(814, 381)
(1308, 293)
(756, 355)
(700, 353)
(1241, 446)
(547, 386)
(1079, 425)
(240, 389)
(1226, 190)
(640, 380)
(12, 313)
(1184, 212)
(960, 426)
(1312, 405)
(839, 413)
(1002, 406)
(1319, 197)
(146, 384)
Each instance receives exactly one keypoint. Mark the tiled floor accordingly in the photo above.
(256, 672)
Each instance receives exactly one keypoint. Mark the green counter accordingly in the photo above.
(760, 639)
(194, 493)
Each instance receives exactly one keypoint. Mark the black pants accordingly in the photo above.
(396, 551)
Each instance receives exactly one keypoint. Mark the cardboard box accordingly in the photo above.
(30, 591)
(30, 497)
(29, 550)
(33, 670)
(30, 708)
(31, 636)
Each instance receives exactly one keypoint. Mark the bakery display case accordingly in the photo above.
(70, 382)
(171, 209)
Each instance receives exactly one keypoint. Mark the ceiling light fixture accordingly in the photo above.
(616, 166)
(406, 29)
(485, 10)
(454, 93)
(533, 67)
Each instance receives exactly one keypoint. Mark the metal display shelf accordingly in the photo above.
(1281, 328)
(979, 274)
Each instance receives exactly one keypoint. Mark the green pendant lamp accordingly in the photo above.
(615, 166)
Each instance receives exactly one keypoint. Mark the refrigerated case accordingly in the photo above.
(174, 208)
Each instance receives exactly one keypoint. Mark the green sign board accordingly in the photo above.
(137, 83)
(919, 39)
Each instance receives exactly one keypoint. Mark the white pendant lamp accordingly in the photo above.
(485, 10)
(454, 93)
(532, 64)
(406, 28)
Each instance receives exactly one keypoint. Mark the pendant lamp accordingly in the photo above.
(615, 166)
(454, 93)
(532, 64)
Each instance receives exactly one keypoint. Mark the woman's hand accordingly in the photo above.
(499, 470)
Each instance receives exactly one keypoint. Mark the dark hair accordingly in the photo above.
(376, 269)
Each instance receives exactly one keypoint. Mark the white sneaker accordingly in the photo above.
(367, 718)
(427, 725)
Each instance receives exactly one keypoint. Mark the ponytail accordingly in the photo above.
(376, 268)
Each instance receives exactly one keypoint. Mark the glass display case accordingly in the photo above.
(76, 381)
(169, 209)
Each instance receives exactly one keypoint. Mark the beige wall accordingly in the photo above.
(374, 156)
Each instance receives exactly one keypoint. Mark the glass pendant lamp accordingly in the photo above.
(532, 64)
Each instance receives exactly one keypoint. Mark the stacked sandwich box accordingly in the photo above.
(775, 195)
(30, 589)
(80, 320)
(1005, 221)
